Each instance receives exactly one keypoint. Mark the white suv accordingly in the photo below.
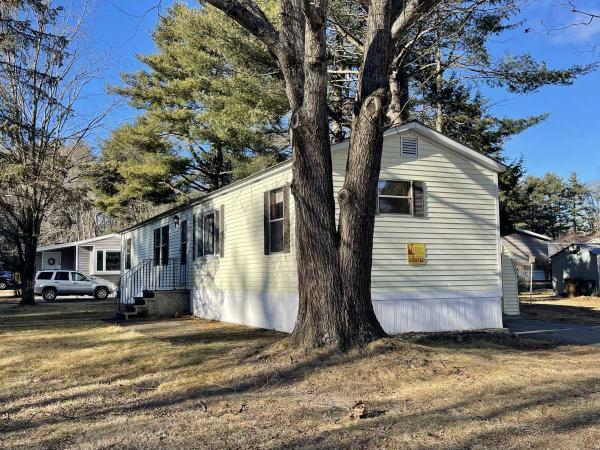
(50, 283)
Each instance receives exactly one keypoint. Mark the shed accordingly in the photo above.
(579, 262)
(99, 256)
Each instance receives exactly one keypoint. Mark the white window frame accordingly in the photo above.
(95, 261)
(200, 230)
(271, 251)
(410, 198)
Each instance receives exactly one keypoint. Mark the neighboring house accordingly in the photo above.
(99, 256)
(510, 285)
(578, 262)
(521, 245)
(436, 256)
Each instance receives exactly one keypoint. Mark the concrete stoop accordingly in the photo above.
(158, 304)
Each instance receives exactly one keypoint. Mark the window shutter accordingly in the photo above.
(419, 199)
(286, 218)
(222, 231)
(200, 230)
(193, 236)
(266, 223)
(409, 146)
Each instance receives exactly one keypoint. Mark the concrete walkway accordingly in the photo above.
(564, 333)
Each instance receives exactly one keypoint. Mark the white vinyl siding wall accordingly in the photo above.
(510, 286)
(459, 227)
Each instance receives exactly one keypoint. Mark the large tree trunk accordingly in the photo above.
(321, 310)
(358, 197)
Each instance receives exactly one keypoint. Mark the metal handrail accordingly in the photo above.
(147, 275)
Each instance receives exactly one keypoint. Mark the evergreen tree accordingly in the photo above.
(213, 106)
(579, 204)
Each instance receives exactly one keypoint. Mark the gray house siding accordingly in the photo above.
(85, 253)
(582, 265)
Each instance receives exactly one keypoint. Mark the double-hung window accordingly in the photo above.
(128, 254)
(183, 248)
(276, 220)
(401, 197)
(161, 246)
(207, 228)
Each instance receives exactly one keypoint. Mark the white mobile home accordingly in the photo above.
(436, 257)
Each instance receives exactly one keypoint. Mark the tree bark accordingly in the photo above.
(321, 310)
(358, 197)
(27, 270)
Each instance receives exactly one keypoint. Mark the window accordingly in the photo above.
(76, 276)
(161, 246)
(401, 197)
(409, 147)
(108, 260)
(395, 197)
(208, 234)
(276, 221)
(183, 243)
(62, 276)
(128, 254)
(45, 276)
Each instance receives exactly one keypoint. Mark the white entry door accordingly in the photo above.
(50, 260)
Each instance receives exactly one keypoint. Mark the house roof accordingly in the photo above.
(523, 243)
(413, 126)
(531, 233)
(76, 243)
(593, 248)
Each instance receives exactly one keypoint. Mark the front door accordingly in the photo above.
(51, 260)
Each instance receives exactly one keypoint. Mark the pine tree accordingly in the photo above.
(213, 106)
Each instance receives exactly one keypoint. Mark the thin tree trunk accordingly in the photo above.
(27, 271)
(439, 79)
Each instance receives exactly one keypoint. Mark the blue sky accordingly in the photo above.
(568, 140)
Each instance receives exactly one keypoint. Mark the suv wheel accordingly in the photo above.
(49, 294)
(101, 293)
(3, 285)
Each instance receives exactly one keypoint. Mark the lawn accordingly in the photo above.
(546, 306)
(72, 380)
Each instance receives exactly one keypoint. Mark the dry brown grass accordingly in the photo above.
(546, 306)
(72, 383)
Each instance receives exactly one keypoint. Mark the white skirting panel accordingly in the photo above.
(397, 313)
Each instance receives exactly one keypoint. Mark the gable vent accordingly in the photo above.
(409, 146)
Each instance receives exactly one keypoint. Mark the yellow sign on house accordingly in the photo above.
(416, 253)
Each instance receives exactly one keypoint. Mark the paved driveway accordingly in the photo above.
(565, 333)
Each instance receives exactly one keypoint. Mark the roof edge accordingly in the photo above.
(531, 233)
(74, 243)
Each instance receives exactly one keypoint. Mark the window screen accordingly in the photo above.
(276, 221)
(395, 197)
(208, 231)
(113, 261)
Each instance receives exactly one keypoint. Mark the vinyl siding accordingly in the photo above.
(459, 229)
(510, 287)
(244, 268)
